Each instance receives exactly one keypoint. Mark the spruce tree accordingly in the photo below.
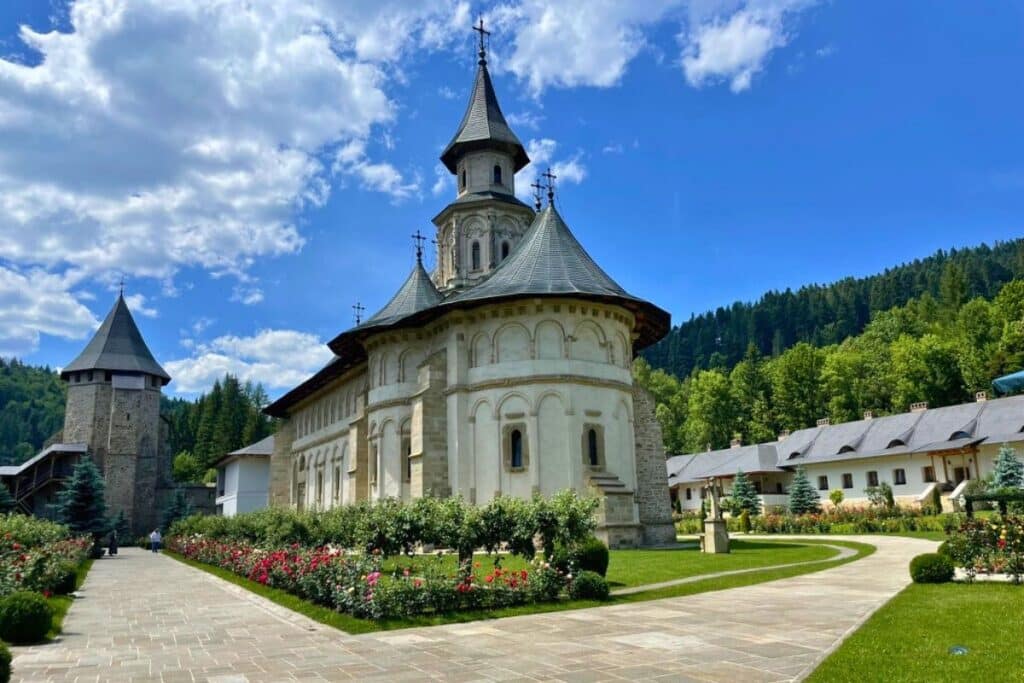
(124, 532)
(1009, 473)
(744, 495)
(802, 496)
(178, 508)
(7, 502)
(81, 505)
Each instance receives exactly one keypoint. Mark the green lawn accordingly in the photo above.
(640, 567)
(909, 638)
(689, 560)
(61, 603)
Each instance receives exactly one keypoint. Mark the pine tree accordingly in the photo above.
(124, 531)
(802, 496)
(81, 505)
(7, 502)
(1009, 473)
(744, 495)
(179, 508)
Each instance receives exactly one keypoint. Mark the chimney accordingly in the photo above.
(868, 414)
(737, 441)
(784, 434)
(921, 406)
(824, 422)
(981, 396)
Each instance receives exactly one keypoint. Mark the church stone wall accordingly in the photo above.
(652, 495)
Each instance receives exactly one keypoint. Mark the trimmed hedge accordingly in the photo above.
(931, 568)
(25, 617)
(592, 555)
(5, 663)
(588, 586)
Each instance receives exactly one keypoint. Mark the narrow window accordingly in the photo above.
(689, 493)
(462, 180)
(319, 488)
(516, 443)
(408, 459)
(872, 478)
(504, 250)
(475, 256)
(899, 476)
(592, 447)
(336, 484)
(778, 487)
(928, 474)
(847, 481)
(823, 483)
(757, 486)
(497, 174)
(373, 464)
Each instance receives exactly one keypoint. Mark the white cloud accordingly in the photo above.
(735, 47)
(826, 51)
(542, 155)
(525, 119)
(155, 135)
(443, 180)
(447, 93)
(137, 305)
(246, 294)
(377, 176)
(35, 302)
(278, 359)
(613, 148)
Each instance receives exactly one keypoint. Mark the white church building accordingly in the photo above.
(504, 372)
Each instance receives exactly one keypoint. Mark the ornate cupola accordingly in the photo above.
(479, 229)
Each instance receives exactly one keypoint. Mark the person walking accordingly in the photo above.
(113, 543)
(154, 540)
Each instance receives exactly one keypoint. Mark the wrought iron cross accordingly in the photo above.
(537, 187)
(419, 240)
(483, 32)
(359, 310)
(550, 177)
(122, 285)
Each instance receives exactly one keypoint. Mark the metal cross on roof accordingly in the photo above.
(121, 286)
(537, 187)
(483, 32)
(550, 177)
(419, 240)
(359, 310)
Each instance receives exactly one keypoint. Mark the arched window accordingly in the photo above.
(462, 180)
(504, 250)
(497, 174)
(475, 256)
(516, 443)
(592, 448)
(336, 485)
(319, 488)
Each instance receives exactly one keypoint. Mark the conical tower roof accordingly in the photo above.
(117, 346)
(483, 126)
(417, 293)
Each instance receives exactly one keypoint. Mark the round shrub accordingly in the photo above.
(944, 549)
(592, 555)
(560, 558)
(65, 577)
(931, 568)
(24, 617)
(5, 663)
(588, 586)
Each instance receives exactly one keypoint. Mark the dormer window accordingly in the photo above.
(497, 174)
(896, 442)
(959, 435)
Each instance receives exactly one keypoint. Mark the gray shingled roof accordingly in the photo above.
(117, 345)
(264, 446)
(483, 126)
(416, 294)
(934, 430)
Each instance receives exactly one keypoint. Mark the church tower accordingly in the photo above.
(481, 227)
(113, 406)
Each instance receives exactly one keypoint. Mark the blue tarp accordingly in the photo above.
(1009, 384)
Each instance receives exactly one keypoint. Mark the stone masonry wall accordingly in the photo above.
(652, 496)
(430, 430)
(281, 464)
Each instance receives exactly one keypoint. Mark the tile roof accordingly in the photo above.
(117, 345)
(416, 294)
(483, 126)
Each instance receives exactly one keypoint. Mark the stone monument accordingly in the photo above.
(716, 535)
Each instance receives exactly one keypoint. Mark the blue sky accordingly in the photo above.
(255, 172)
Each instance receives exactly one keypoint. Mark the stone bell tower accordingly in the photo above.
(113, 406)
(480, 228)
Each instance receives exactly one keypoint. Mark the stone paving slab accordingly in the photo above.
(146, 617)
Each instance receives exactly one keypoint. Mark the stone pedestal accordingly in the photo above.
(716, 536)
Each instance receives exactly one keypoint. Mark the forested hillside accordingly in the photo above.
(31, 409)
(828, 314)
(940, 350)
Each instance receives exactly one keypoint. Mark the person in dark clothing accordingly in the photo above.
(113, 543)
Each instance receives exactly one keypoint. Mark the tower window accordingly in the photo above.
(475, 256)
(504, 250)
(592, 447)
(462, 180)
(497, 174)
(516, 443)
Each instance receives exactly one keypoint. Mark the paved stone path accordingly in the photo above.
(149, 618)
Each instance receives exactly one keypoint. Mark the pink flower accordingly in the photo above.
(373, 578)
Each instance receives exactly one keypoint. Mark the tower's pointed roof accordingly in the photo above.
(550, 261)
(483, 125)
(118, 346)
(416, 294)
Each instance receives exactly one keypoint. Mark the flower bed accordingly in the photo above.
(37, 555)
(989, 546)
(354, 582)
